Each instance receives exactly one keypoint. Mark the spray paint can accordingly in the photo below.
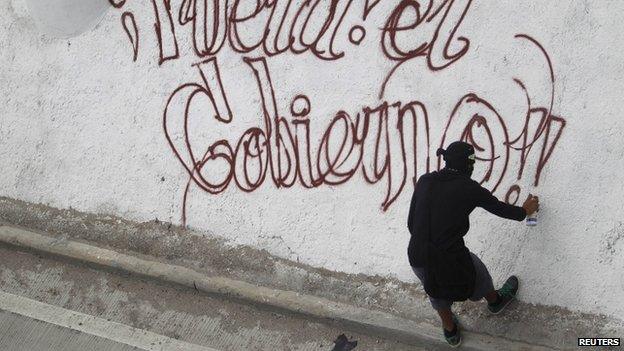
(531, 219)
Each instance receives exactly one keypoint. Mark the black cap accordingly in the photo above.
(459, 155)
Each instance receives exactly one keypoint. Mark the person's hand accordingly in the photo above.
(531, 204)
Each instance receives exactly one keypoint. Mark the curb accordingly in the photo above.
(378, 323)
(91, 325)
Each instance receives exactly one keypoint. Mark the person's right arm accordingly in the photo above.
(483, 198)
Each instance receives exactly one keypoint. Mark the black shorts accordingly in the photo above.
(483, 284)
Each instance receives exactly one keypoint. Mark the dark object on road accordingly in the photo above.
(343, 344)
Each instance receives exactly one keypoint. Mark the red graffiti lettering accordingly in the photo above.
(386, 142)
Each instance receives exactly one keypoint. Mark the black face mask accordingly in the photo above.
(470, 169)
(459, 156)
(466, 169)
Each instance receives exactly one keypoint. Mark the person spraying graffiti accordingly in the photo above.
(438, 220)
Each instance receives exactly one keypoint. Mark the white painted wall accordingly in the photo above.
(64, 18)
(82, 126)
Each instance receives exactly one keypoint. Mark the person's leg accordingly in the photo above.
(446, 315)
(492, 297)
(484, 286)
(443, 307)
(450, 326)
(505, 295)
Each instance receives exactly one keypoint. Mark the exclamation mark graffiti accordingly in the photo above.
(130, 26)
(549, 144)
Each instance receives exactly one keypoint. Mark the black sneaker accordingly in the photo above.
(453, 339)
(506, 293)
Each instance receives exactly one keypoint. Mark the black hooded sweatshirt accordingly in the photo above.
(456, 196)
